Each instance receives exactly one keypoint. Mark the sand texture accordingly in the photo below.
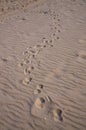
(43, 65)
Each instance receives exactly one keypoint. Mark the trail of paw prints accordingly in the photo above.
(47, 42)
(30, 57)
(55, 25)
(26, 80)
(43, 107)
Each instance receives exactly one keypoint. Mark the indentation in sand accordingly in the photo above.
(38, 89)
(28, 70)
(57, 114)
(26, 80)
(45, 108)
(41, 107)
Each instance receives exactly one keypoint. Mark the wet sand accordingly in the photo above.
(43, 65)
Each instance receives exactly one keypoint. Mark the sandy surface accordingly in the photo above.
(43, 65)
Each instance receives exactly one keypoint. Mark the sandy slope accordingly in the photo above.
(43, 67)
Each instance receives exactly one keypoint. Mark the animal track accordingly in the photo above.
(40, 102)
(20, 64)
(45, 108)
(28, 70)
(38, 89)
(40, 108)
(29, 56)
(26, 80)
(57, 114)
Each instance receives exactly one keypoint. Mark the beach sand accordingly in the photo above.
(43, 65)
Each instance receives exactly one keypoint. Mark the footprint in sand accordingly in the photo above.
(26, 52)
(57, 114)
(28, 61)
(40, 103)
(41, 107)
(81, 56)
(25, 62)
(47, 42)
(31, 53)
(29, 56)
(44, 108)
(21, 64)
(38, 89)
(28, 70)
(26, 81)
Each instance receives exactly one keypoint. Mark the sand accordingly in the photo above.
(43, 65)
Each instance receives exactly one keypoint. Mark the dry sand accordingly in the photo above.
(43, 65)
